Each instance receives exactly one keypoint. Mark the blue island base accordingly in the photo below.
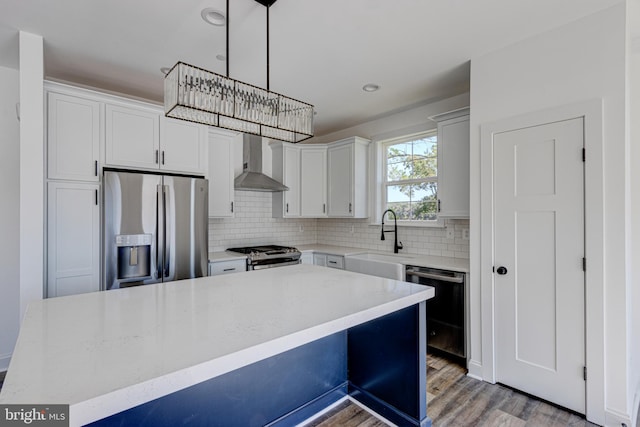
(381, 363)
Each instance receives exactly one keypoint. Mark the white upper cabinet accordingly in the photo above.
(453, 164)
(132, 137)
(141, 137)
(313, 181)
(286, 169)
(73, 137)
(347, 182)
(183, 146)
(221, 173)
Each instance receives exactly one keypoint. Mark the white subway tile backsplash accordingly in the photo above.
(253, 225)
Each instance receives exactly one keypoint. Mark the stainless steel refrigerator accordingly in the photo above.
(155, 228)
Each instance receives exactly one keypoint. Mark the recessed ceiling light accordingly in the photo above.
(370, 87)
(213, 16)
(165, 70)
(221, 57)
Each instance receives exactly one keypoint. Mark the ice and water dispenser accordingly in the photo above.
(134, 256)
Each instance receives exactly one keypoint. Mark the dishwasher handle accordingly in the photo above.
(456, 278)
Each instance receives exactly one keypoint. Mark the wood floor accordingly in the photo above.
(455, 400)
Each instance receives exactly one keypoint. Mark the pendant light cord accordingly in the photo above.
(268, 7)
(227, 38)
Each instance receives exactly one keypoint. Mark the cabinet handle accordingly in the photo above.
(438, 205)
(231, 207)
(96, 197)
(163, 157)
(95, 168)
(156, 157)
(349, 207)
(287, 207)
(229, 269)
(324, 208)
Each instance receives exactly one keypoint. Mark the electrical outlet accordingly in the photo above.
(449, 233)
(465, 234)
(352, 229)
(301, 229)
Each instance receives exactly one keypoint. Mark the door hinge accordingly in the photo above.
(584, 372)
(584, 264)
(584, 154)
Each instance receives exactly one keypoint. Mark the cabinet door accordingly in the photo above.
(73, 237)
(221, 162)
(313, 182)
(320, 259)
(182, 146)
(73, 138)
(132, 137)
(341, 181)
(291, 179)
(453, 168)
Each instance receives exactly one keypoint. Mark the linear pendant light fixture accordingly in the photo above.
(197, 95)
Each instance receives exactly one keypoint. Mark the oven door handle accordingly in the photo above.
(458, 278)
(275, 264)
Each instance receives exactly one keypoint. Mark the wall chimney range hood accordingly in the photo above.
(252, 178)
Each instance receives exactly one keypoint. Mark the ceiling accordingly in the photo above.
(322, 51)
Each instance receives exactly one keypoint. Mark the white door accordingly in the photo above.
(221, 162)
(313, 182)
(73, 237)
(182, 146)
(292, 180)
(539, 248)
(341, 180)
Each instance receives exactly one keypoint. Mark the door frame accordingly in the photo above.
(592, 113)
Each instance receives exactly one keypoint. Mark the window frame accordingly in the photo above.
(384, 184)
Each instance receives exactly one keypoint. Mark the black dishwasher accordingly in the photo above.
(445, 311)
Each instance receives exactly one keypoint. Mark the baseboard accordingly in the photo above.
(371, 411)
(616, 419)
(374, 404)
(311, 409)
(324, 411)
(475, 370)
(4, 361)
(635, 410)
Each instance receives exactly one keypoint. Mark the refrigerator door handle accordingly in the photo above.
(159, 247)
(167, 250)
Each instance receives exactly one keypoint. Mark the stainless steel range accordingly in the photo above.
(267, 256)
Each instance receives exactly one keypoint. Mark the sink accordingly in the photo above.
(375, 264)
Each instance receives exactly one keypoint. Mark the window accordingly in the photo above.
(410, 179)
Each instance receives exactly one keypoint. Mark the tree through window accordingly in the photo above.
(411, 178)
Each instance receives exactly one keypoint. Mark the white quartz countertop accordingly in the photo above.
(225, 256)
(106, 352)
(441, 262)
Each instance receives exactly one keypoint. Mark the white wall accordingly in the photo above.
(633, 279)
(581, 61)
(9, 214)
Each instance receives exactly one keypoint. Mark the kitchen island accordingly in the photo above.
(263, 347)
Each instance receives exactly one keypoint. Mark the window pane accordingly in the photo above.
(413, 202)
(412, 160)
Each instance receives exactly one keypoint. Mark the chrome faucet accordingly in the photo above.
(396, 245)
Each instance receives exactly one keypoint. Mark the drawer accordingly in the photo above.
(227, 267)
(335, 261)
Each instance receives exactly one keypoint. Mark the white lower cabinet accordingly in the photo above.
(329, 260)
(306, 258)
(227, 267)
(73, 238)
(320, 259)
